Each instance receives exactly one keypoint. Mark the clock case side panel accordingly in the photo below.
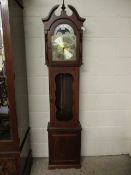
(11, 151)
(13, 143)
(20, 83)
(53, 72)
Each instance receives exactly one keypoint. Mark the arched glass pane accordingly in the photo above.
(64, 43)
(64, 97)
(4, 108)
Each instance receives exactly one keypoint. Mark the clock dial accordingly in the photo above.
(64, 43)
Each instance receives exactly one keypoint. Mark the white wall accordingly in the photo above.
(105, 92)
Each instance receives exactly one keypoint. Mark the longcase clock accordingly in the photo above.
(63, 47)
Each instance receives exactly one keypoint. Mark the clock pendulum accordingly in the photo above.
(63, 52)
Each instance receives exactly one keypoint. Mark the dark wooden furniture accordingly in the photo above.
(63, 46)
(15, 152)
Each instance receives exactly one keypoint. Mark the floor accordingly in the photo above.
(106, 165)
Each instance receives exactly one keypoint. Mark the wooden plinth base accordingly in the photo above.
(64, 147)
(11, 164)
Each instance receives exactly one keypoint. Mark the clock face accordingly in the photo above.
(64, 43)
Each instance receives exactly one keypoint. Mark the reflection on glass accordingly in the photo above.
(64, 43)
(64, 97)
(4, 110)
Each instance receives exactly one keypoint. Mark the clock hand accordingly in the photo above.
(60, 42)
(67, 54)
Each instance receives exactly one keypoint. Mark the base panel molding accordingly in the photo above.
(64, 147)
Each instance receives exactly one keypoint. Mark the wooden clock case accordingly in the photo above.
(15, 150)
(64, 135)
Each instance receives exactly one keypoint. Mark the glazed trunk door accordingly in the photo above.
(64, 96)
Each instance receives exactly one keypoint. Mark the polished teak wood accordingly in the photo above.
(64, 129)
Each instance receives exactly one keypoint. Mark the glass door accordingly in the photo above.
(4, 105)
(64, 97)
